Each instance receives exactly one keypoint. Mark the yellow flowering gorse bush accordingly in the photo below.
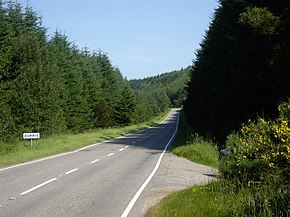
(262, 148)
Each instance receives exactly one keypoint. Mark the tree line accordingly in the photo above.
(49, 85)
(241, 68)
(162, 91)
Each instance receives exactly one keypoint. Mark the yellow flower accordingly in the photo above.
(194, 190)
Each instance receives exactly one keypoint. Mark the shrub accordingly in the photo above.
(261, 150)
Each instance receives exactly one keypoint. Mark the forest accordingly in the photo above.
(165, 90)
(242, 67)
(49, 85)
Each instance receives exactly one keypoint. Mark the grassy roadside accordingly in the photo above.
(224, 197)
(220, 199)
(21, 151)
(189, 145)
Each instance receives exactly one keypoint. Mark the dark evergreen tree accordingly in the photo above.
(74, 105)
(238, 69)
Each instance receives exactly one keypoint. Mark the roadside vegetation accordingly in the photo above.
(254, 177)
(190, 145)
(71, 96)
(51, 86)
(239, 96)
(21, 151)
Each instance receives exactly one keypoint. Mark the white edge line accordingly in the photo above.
(94, 161)
(141, 189)
(72, 171)
(71, 152)
(38, 186)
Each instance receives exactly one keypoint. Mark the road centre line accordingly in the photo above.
(94, 161)
(72, 171)
(122, 149)
(109, 155)
(51, 157)
(141, 189)
(38, 186)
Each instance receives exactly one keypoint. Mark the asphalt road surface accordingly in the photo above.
(104, 179)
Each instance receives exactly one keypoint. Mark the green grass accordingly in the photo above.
(21, 151)
(189, 145)
(223, 199)
(201, 201)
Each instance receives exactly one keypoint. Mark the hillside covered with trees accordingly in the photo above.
(241, 68)
(165, 90)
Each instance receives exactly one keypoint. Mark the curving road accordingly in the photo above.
(104, 179)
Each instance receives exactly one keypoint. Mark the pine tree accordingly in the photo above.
(73, 103)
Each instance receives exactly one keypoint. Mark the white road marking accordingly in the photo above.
(122, 149)
(72, 152)
(109, 155)
(38, 186)
(72, 171)
(94, 161)
(48, 158)
(141, 189)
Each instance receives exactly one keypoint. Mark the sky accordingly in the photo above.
(141, 37)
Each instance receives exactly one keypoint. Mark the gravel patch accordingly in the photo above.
(174, 174)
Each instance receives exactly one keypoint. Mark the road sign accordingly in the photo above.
(31, 135)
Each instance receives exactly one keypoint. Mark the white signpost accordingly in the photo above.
(31, 136)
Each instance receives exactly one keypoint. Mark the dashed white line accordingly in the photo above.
(109, 155)
(72, 171)
(122, 149)
(38, 186)
(94, 161)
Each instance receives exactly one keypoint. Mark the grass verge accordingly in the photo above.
(21, 151)
(223, 199)
(189, 145)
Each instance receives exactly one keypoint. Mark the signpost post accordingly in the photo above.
(31, 136)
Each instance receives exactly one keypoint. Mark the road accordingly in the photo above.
(103, 179)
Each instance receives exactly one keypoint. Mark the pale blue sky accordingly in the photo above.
(141, 37)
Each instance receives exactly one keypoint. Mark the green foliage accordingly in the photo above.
(189, 145)
(260, 19)
(50, 86)
(21, 151)
(156, 94)
(223, 199)
(261, 150)
(241, 68)
(169, 86)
